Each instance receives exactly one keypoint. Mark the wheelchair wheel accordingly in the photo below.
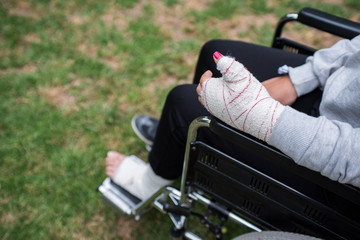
(274, 235)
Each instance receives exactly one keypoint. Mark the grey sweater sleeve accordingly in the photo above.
(325, 144)
(329, 147)
(317, 69)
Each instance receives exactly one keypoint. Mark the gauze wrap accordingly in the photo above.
(138, 178)
(240, 100)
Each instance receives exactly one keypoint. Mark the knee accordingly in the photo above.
(211, 46)
(182, 94)
(226, 47)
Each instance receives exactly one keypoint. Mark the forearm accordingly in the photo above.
(281, 89)
(329, 147)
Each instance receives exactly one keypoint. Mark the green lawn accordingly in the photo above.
(72, 75)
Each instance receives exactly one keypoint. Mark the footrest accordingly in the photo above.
(117, 197)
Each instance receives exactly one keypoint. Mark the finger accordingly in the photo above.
(217, 56)
(208, 74)
(198, 89)
(200, 100)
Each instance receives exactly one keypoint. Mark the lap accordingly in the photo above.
(261, 61)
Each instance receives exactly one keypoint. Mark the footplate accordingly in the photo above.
(117, 197)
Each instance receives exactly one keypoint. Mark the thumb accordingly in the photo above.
(223, 62)
(217, 56)
(230, 69)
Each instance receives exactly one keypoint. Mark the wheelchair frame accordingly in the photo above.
(264, 202)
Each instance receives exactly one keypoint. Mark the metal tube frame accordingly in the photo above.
(192, 134)
(185, 197)
(287, 18)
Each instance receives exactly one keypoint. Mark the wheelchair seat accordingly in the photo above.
(233, 190)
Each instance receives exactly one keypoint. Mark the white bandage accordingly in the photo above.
(138, 178)
(240, 100)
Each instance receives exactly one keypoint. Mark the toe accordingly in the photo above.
(113, 161)
(110, 171)
(115, 155)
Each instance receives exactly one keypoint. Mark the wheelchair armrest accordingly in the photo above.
(274, 156)
(329, 23)
(316, 19)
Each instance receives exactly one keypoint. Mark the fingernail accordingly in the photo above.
(217, 55)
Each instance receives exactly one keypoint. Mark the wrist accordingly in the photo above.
(262, 118)
(281, 89)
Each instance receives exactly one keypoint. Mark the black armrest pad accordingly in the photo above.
(336, 25)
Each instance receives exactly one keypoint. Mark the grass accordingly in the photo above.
(72, 75)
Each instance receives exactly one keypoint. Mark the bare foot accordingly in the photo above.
(113, 161)
(136, 176)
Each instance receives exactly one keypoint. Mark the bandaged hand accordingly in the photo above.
(239, 99)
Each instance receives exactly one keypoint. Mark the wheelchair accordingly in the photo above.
(232, 190)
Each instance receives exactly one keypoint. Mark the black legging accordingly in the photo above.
(182, 107)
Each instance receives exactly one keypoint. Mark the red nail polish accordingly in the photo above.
(217, 55)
